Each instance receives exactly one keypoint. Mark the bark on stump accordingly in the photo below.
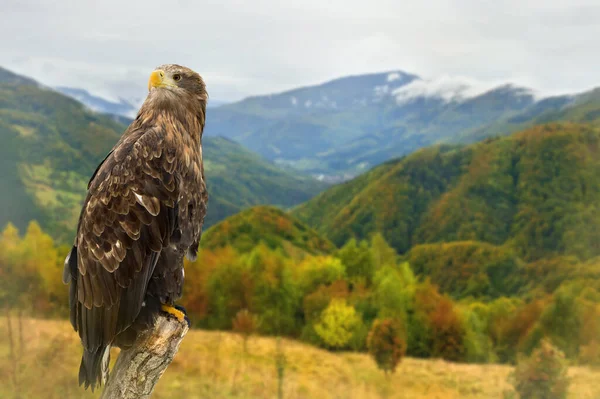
(139, 368)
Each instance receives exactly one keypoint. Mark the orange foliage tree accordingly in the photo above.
(386, 344)
(436, 328)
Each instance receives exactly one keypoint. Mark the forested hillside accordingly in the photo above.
(583, 108)
(238, 178)
(537, 192)
(267, 225)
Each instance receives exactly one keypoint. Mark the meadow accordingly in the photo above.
(214, 365)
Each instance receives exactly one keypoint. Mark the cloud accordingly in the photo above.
(455, 88)
(243, 48)
(445, 87)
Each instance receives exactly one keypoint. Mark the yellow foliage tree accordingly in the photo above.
(338, 323)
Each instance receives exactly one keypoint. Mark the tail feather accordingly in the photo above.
(94, 367)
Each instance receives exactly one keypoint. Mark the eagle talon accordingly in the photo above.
(182, 310)
(174, 312)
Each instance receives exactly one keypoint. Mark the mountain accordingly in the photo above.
(52, 144)
(298, 126)
(536, 192)
(340, 128)
(269, 225)
(343, 127)
(215, 103)
(99, 104)
(581, 108)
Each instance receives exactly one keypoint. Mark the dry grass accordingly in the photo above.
(213, 365)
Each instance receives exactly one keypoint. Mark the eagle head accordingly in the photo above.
(175, 89)
(177, 78)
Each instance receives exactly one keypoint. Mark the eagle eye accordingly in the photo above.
(177, 77)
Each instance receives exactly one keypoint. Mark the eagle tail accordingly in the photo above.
(94, 367)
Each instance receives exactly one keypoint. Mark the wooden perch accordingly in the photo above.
(139, 368)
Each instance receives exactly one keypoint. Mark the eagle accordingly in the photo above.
(142, 215)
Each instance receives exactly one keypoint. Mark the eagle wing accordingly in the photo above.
(130, 214)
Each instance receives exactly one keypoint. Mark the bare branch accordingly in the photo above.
(138, 369)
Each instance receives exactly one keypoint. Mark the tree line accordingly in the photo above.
(341, 301)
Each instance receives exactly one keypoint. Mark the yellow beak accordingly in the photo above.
(156, 79)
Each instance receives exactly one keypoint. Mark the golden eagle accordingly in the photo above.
(143, 213)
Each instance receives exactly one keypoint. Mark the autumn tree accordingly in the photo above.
(357, 260)
(478, 344)
(448, 331)
(228, 290)
(436, 328)
(562, 320)
(393, 292)
(386, 344)
(337, 325)
(275, 297)
(316, 271)
(543, 375)
(244, 323)
(200, 290)
(315, 303)
(381, 252)
(31, 270)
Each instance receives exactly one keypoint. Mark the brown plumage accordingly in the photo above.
(143, 213)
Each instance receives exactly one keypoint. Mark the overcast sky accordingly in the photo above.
(255, 47)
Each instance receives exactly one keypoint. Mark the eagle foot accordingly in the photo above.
(176, 311)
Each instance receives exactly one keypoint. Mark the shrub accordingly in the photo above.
(543, 375)
(386, 344)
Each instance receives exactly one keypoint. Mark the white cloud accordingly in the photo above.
(449, 88)
(243, 48)
(445, 87)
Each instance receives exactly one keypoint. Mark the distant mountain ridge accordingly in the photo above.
(52, 144)
(340, 128)
(99, 104)
(345, 126)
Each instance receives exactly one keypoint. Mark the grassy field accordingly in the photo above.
(213, 365)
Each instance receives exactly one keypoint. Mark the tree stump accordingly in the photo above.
(139, 368)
